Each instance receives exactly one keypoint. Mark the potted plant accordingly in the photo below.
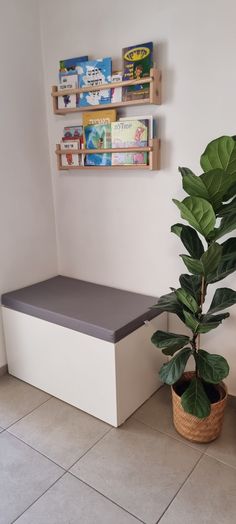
(199, 397)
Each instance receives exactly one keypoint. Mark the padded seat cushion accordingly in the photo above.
(100, 311)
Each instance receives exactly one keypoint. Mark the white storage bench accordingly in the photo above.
(84, 343)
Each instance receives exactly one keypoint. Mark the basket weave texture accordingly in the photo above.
(193, 428)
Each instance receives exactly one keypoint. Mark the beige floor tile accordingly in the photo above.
(137, 467)
(224, 448)
(71, 501)
(157, 413)
(60, 431)
(208, 497)
(17, 399)
(24, 476)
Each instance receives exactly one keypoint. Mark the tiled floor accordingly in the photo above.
(58, 465)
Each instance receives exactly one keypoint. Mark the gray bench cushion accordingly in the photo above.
(100, 311)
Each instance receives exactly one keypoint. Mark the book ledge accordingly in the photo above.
(154, 94)
(153, 150)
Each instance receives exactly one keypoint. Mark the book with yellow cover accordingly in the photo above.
(93, 118)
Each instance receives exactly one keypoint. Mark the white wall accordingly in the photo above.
(27, 222)
(113, 227)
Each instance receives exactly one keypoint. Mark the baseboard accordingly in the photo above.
(3, 370)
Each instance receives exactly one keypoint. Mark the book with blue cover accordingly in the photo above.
(94, 73)
(69, 66)
(98, 137)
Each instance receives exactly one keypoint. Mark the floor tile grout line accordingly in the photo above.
(182, 485)
(91, 447)
(171, 436)
(106, 497)
(219, 460)
(29, 413)
(40, 496)
(37, 451)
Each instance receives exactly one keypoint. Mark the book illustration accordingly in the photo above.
(73, 133)
(70, 66)
(69, 80)
(98, 137)
(70, 159)
(68, 100)
(116, 92)
(130, 133)
(152, 128)
(137, 62)
(99, 117)
(95, 73)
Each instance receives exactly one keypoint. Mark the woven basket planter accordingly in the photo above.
(193, 428)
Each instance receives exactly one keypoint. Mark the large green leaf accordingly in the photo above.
(195, 400)
(228, 224)
(170, 303)
(211, 258)
(194, 186)
(228, 209)
(220, 153)
(227, 264)
(211, 368)
(169, 342)
(191, 321)
(177, 228)
(218, 184)
(192, 242)
(172, 371)
(223, 298)
(187, 299)
(209, 322)
(192, 284)
(199, 213)
(194, 266)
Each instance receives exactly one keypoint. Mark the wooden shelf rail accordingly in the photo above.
(154, 94)
(153, 150)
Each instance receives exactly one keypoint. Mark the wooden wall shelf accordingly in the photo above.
(153, 150)
(154, 94)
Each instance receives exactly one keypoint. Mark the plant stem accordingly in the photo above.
(202, 298)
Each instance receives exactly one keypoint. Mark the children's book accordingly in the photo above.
(69, 66)
(116, 92)
(94, 73)
(137, 62)
(92, 118)
(70, 159)
(68, 82)
(98, 137)
(68, 100)
(73, 133)
(128, 134)
(152, 127)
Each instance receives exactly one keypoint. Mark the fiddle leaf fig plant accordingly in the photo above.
(210, 212)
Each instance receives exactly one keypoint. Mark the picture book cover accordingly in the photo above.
(93, 73)
(152, 124)
(70, 65)
(66, 80)
(98, 137)
(68, 100)
(70, 159)
(92, 118)
(116, 92)
(128, 134)
(73, 133)
(137, 62)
